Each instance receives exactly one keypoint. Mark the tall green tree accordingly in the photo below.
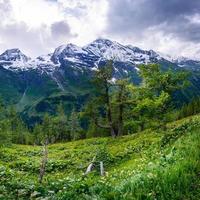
(61, 124)
(120, 104)
(159, 86)
(74, 124)
(107, 107)
(120, 101)
(48, 131)
(17, 128)
(103, 84)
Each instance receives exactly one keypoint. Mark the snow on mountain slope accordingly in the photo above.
(14, 55)
(43, 63)
(183, 62)
(173, 59)
(70, 53)
(101, 50)
(112, 50)
(88, 56)
(15, 60)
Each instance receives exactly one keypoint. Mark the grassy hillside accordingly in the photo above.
(149, 165)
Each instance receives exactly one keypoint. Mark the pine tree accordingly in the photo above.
(61, 124)
(74, 124)
(48, 132)
(160, 86)
(37, 134)
(18, 130)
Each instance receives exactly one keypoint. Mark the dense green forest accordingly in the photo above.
(115, 108)
(133, 143)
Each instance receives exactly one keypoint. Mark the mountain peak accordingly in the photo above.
(103, 41)
(14, 55)
(63, 51)
(17, 50)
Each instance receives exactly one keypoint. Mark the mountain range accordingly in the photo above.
(39, 85)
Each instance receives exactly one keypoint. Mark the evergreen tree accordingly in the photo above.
(38, 134)
(18, 130)
(74, 124)
(189, 109)
(121, 104)
(103, 84)
(61, 124)
(160, 86)
(48, 135)
(121, 99)
(107, 107)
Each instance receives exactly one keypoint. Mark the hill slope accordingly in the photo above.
(147, 165)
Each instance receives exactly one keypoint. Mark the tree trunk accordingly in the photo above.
(43, 162)
(102, 169)
(109, 115)
(121, 108)
(120, 119)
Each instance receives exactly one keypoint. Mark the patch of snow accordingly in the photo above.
(125, 71)
(113, 80)
(94, 68)
(137, 68)
(72, 59)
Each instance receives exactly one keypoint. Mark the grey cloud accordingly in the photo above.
(78, 11)
(170, 16)
(60, 28)
(61, 32)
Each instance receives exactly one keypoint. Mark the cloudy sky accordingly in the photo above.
(39, 26)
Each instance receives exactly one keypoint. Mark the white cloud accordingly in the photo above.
(39, 26)
(35, 12)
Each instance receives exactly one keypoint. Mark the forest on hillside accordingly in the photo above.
(116, 108)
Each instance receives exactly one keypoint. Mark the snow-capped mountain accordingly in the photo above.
(14, 55)
(101, 50)
(87, 56)
(183, 62)
(108, 50)
(14, 59)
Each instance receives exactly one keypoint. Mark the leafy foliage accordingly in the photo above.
(124, 108)
(139, 166)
